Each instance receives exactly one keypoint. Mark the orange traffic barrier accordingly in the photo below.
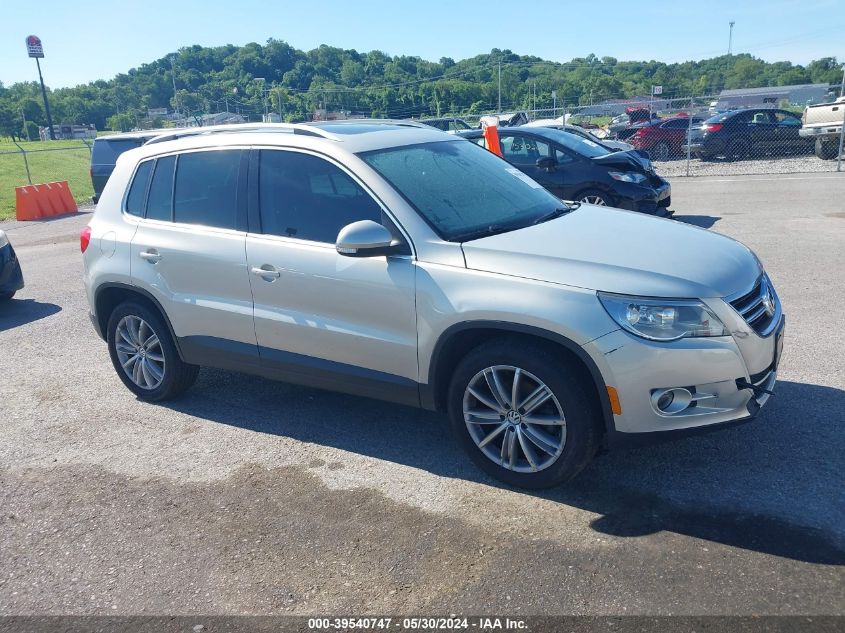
(34, 202)
(491, 134)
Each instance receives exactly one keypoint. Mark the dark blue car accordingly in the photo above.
(575, 168)
(11, 278)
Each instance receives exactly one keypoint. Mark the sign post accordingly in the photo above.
(655, 90)
(36, 50)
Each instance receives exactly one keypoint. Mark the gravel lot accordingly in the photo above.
(763, 166)
(253, 497)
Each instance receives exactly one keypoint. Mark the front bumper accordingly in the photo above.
(716, 371)
(653, 199)
(11, 277)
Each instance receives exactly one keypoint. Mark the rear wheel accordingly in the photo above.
(661, 151)
(826, 150)
(596, 197)
(144, 355)
(738, 149)
(522, 414)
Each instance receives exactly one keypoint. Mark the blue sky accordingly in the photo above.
(96, 39)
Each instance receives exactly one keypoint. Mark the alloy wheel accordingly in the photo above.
(139, 352)
(593, 199)
(514, 419)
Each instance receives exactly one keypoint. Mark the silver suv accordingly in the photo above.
(402, 263)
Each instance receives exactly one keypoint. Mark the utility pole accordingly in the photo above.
(173, 77)
(25, 128)
(500, 85)
(842, 87)
(731, 37)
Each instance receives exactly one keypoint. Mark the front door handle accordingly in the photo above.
(151, 255)
(265, 271)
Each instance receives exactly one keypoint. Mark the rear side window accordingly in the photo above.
(306, 197)
(207, 188)
(105, 152)
(160, 198)
(135, 199)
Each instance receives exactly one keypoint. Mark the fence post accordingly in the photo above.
(25, 161)
(841, 139)
(689, 131)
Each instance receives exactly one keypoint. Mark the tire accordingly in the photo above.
(738, 149)
(157, 373)
(594, 196)
(826, 151)
(569, 446)
(661, 151)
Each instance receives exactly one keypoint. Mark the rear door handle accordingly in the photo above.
(265, 271)
(151, 255)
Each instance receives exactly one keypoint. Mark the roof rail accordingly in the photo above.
(397, 122)
(284, 128)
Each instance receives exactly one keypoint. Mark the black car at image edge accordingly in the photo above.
(11, 278)
(574, 168)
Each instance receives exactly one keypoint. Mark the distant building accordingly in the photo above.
(799, 95)
(68, 131)
(222, 118)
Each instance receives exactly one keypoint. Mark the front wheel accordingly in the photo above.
(661, 151)
(596, 197)
(144, 355)
(522, 414)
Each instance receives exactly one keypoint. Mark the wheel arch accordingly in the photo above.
(459, 339)
(110, 295)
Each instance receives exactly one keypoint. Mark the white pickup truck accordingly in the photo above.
(824, 122)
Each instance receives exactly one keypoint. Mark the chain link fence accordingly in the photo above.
(28, 163)
(694, 136)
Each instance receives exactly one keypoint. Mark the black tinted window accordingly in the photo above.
(160, 198)
(105, 152)
(307, 197)
(207, 188)
(135, 199)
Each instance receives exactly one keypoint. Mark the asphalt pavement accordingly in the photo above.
(254, 497)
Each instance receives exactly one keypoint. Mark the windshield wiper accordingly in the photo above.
(556, 213)
(493, 229)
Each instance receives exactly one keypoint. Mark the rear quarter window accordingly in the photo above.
(138, 189)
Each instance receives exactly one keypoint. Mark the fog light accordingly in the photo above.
(665, 400)
(671, 401)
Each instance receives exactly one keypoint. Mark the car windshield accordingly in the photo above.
(583, 146)
(463, 191)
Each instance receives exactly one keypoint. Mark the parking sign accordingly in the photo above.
(657, 90)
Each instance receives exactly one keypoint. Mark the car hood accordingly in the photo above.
(625, 160)
(622, 252)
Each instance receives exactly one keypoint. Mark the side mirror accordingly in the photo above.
(365, 238)
(546, 162)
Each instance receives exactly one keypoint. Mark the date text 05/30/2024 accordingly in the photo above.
(417, 624)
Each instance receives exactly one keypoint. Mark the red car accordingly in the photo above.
(663, 138)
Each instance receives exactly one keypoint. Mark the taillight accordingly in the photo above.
(712, 127)
(84, 238)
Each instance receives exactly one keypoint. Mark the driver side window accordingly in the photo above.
(523, 150)
(309, 198)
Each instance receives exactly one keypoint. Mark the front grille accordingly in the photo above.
(760, 307)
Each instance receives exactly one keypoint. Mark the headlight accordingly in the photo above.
(662, 319)
(3, 239)
(629, 176)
